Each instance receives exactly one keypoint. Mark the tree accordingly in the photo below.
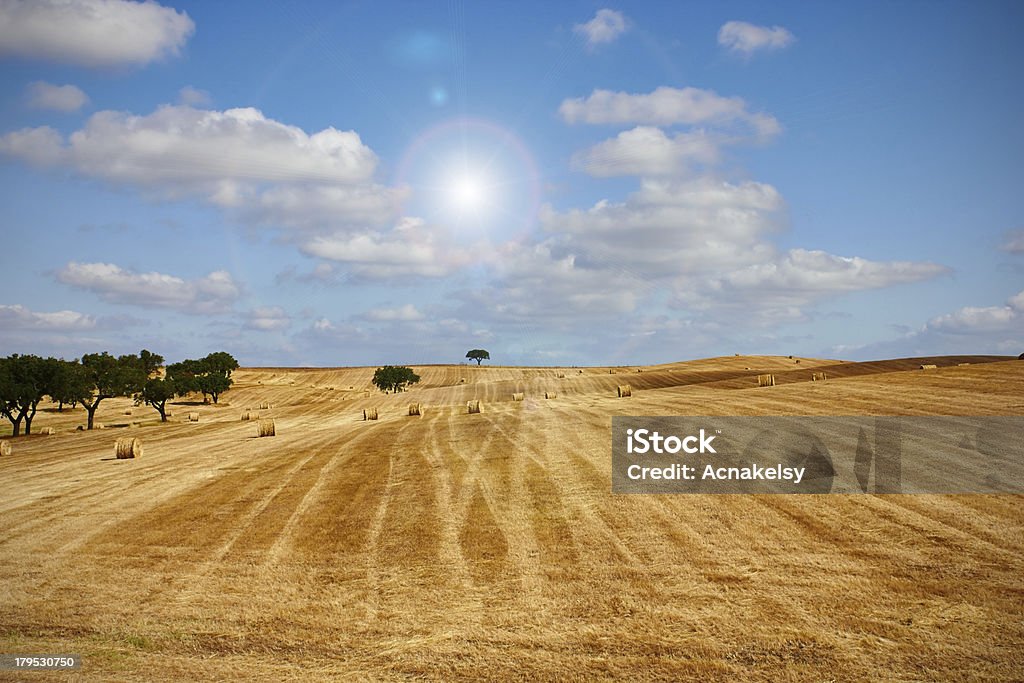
(108, 377)
(394, 378)
(211, 375)
(70, 384)
(156, 392)
(23, 383)
(478, 355)
(151, 362)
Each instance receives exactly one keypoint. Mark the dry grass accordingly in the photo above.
(127, 448)
(491, 548)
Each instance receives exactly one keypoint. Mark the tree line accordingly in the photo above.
(25, 380)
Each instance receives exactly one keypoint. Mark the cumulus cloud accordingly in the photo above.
(17, 317)
(746, 39)
(406, 313)
(606, 26)
(648, 151)
(214, 293)
(268, 319)
(666, 106)
(975, 320)
(409, 249)
(182, 148)
(93, 33)
(1014, 242)
(65, 98)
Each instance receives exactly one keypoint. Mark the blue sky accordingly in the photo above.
(559, 183)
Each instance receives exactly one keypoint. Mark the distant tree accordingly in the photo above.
(478, 355)
(156, 392)
(107, 377)
(210, 376)
(151, 362)
(394, 378)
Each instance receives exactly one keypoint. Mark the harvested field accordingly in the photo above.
(489, 546)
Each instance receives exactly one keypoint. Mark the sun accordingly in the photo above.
(467, 193)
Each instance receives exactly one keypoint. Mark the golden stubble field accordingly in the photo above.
(456, 546)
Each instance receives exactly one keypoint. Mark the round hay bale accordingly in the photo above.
(128, 412)
(193, 417)
(80, 428)
(818, 377)
(128, 447)
(561, 375)
(47, 431)
(639, 369)
(624, 390)
(473, 407)
(250, 415)
(929, 366)
(550, 394)
(961, 365)
(99, 425)
(766, 380)
(519, 396)
(266, 428)
(370, 414)
(462, 380)
(1020, 357)
(415, 409)
(264, 406)
(5, 447)
(610, 371)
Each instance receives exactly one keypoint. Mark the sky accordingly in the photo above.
(570, 183)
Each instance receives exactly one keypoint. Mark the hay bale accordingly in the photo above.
(264, 406)
(128, 412)
(624, 390)
(639, 369)
(610, 371)
(80, 428)
(797, 361)
(99, 425)
(462, 380)
(960, 365)
(818, 377)
(250, 415)
(766, 380)
(518, 396)
(266, 428)
(561, 375)
(193, 417)
(1020, 357)
(415, 409)
(929, 366)
(370, 414)
(128, 447)
(5, 447)
(47, 431)
(473, 407)
(550, 394)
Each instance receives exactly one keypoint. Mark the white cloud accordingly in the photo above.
(975, 320)
(606, 26)
(94, 33)
(178, 149)
(409, 249)
(667, 106)
(18, 317)
(408, 312)
(193, 97)
(268, 319)
(648, 151)
(746, 39)
(66, 98)
(1014, 243)
(214, 293)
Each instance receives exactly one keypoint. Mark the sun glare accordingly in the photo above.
(467, 194)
